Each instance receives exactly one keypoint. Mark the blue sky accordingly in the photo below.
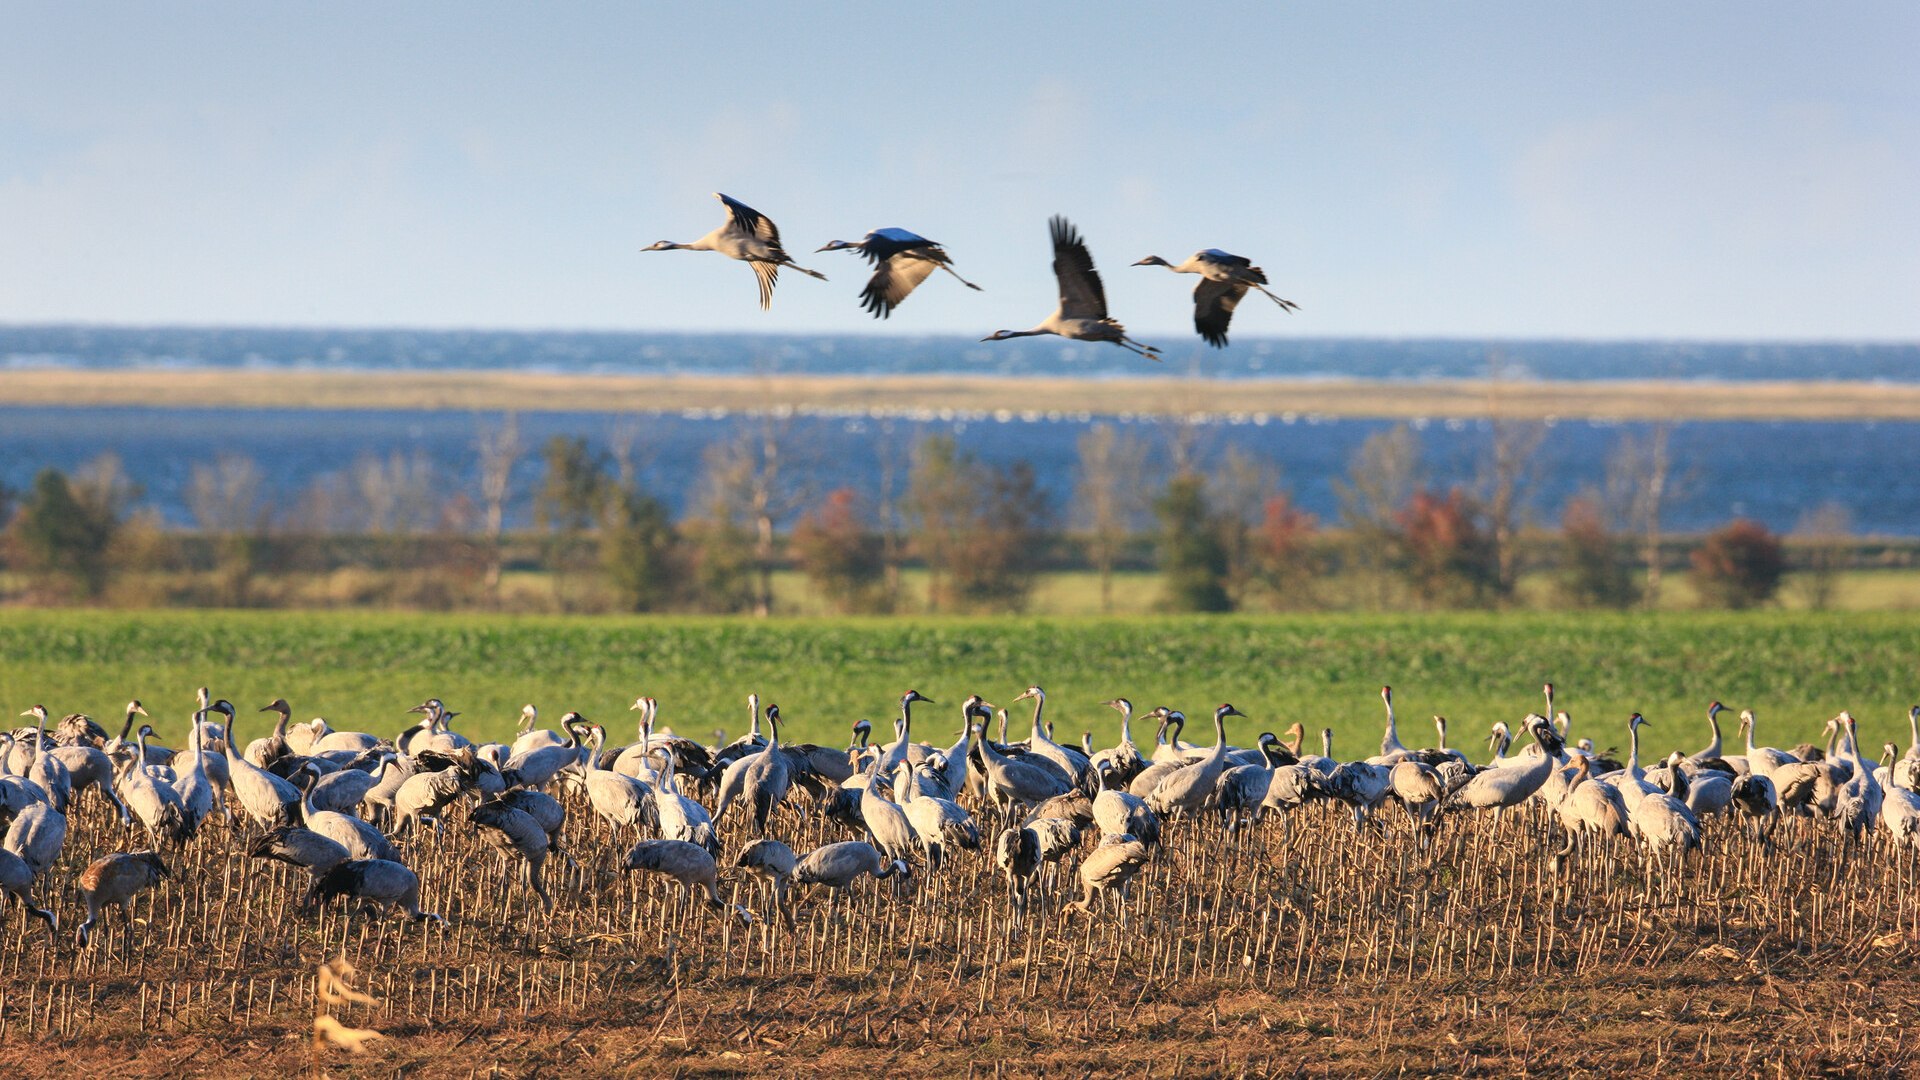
(1617, 170)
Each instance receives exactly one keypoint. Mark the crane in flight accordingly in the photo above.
(1224, 279)
(1082, 314)
(751, 237)
(901, 260)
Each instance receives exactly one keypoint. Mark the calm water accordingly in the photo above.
(383, 350)
(1769, 471)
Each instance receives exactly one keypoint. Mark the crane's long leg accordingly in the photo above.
(1286, 304)
(801, 269)
(962, 280)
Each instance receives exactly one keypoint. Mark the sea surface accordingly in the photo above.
(826, 354)
(1774, 472)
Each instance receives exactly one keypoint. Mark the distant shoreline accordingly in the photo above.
(498, 391)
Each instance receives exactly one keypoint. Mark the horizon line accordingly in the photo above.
(1463, 339)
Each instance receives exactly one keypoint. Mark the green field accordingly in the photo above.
(363, 670)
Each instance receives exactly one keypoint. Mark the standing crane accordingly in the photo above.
(37, 835)
(1224, 280)
(901, 261)
(513, 832)
(48, 772)
(1110, 868)
(113, 881)
(838, 866)
(772, 862)
(1188, 789)
(767, 777)
(381, 883)
(750, 237)
(1124, 755)
(156, 804)
(1082, 314)
(265, 797)
(16, 879)
(689, 864)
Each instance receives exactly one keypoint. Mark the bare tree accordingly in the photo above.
(750, 480)
(939, 506)
(1509, 472)
(1823, 532)
(1639, 482)
(498, 448)
(1381, 479)
(888, 449)
(1109, 497)
(224, 496)
(1241, 486)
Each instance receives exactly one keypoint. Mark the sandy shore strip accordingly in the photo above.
(494, 391)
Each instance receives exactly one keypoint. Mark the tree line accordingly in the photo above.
(1208, 533)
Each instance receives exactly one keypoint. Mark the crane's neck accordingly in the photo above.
(1126, 726)
(1039, 732)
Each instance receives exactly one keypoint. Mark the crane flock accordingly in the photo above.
(351, 809)
(903, 260)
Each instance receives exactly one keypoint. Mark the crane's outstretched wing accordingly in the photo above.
(751, 220)
(769, 275)
(1213, 304)
(1081, 294)
(883, 244)
(896, 277)
(1225, 258)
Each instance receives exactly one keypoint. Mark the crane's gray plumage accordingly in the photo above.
(37, 835)
(380, 882)
(901, 260)
(1082, 314)
(750, 237)
(772, 862)
(1224, 280)
(836, 866)
(302, 847)
(16, 879)
(514, 832)
(1110, 868)
(689, 864)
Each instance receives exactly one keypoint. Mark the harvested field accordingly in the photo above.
(1276, 949)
